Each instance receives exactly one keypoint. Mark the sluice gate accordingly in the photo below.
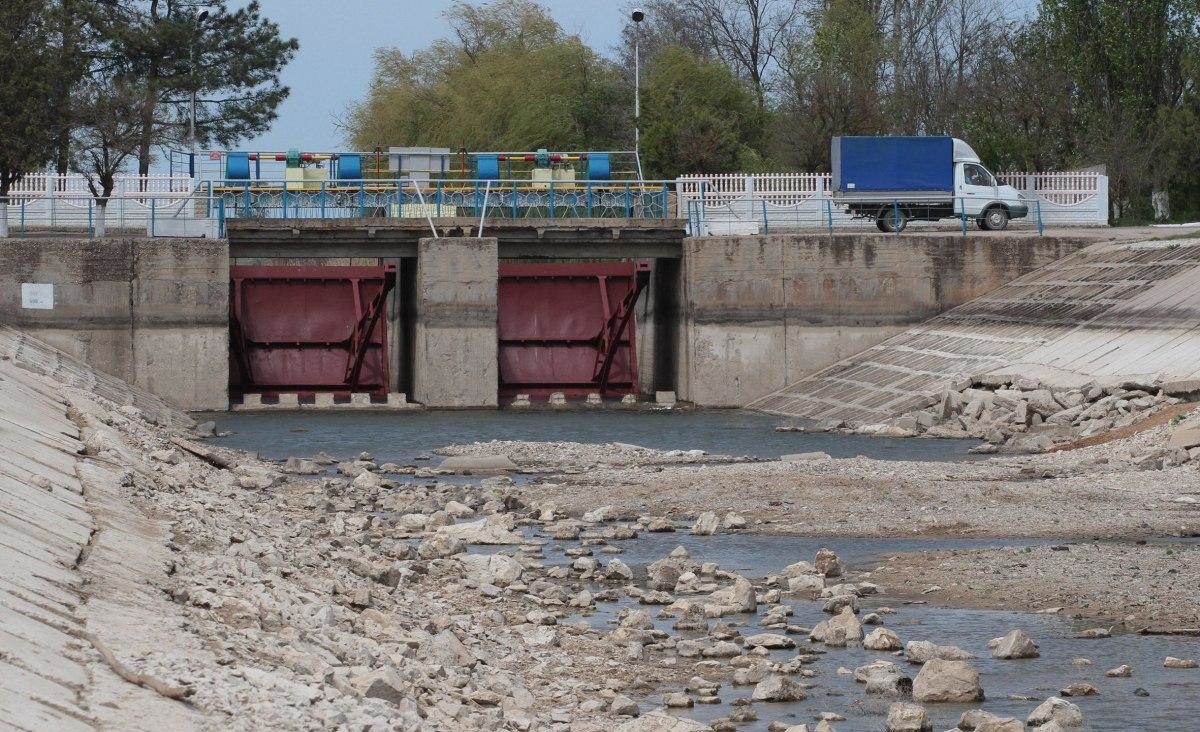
(309, 329)
(569, 327)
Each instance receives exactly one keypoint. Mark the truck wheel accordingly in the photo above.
(888, 222)
(994, 219)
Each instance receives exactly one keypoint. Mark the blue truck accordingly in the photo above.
(895, 180)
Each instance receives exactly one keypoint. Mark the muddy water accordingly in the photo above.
(1174, 695)
(402, 436)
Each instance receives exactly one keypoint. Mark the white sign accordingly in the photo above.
(37, 296)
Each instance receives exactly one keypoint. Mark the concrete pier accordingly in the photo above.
(153, 312)
(761, 312)
(454, 341)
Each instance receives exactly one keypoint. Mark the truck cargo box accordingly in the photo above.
(891, 164)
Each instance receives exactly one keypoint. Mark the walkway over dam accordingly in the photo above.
(383, 308)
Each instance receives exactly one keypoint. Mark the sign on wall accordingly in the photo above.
(37, 296)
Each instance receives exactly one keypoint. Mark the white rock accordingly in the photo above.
(1014, 645)
(777, 689)
(1056, 710)
(882, 639)
(905, 717)
(947, 681)
(706, 524)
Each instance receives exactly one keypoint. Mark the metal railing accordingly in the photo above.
(758, 215)
(499, 199)
(742, 203)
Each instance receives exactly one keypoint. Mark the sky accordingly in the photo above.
(338, 38)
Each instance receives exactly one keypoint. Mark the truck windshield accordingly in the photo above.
(977, 175)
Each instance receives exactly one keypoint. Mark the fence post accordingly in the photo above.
(552, 198)
(515, 207)
(321, 198)
(437, 198)
(829, 213)
(1041, 230)
(766, 226)
(221, 218)
(362, 200)
(285, 190)
(896, 216)
(246, 200)
(23, 205)
(628, 203)
(963, 209)
(91, 233)
(152, 215)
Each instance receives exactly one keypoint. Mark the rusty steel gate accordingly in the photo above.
(308, 329)
(569, 327)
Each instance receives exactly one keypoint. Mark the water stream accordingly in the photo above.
(402, 436)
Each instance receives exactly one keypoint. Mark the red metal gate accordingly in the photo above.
(569, 327)
(307, 329)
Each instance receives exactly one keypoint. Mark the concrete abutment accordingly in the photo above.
(724, 320)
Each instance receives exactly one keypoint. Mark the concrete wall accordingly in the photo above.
(153, 312)
(454, 342)
(760, 312)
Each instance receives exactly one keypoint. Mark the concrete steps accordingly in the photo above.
(1110, 310)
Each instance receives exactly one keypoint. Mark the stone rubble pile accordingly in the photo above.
(1024, 415)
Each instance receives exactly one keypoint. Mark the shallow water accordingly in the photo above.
(1173, 704)
(405, 435)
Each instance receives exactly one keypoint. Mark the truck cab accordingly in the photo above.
(979, 196)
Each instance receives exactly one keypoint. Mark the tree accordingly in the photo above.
(1127, 62)
(748, 36)
(27, 97)
(509, 79)
(834, 85)
(697, 117)
(106, 134)
(230, 59)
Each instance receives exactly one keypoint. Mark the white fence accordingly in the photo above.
(738, 204)
(64, 201)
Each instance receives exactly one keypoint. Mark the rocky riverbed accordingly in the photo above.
(336, 592)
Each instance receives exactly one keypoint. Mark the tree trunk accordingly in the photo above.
(1160, 201)
(101, 206)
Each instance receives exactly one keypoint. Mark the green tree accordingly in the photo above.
(105, 135)
(697, 117)
(230, 59)
(31, 72)
(1128, 64)
(509, 79)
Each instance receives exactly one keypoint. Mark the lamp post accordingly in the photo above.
(203, 16)
(637, 16)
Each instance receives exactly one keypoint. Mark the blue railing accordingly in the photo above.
(499, 199)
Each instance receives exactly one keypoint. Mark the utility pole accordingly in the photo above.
(638, 16)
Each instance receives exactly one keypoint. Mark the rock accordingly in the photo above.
(496, 569)
(1079, 688)
(483, 531)
(706, 524)
(1001, 724)
(947, 681)
(924, 651)
(882, 639)
(300, 466)
(1172, 662)
(905, 717)
(623, 706)
(734, 521)
(662, 722)
(827, 563)
(972, 718)
(770, 640)
(1059, 711)
(1014, 645)
(385, 684)
(1123, 671)
(863, 672)
(477, 464)
(440, 546)
(604, 513)
(777, 689)
(846, 623)
(617, 570)
(1094, 633)
(805, 583)
(836, 603)
(739, 598)
(883, 677)
(677, 700)
(458, 510)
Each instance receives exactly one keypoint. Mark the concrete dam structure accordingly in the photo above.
(1110, 311)
(386, 313)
